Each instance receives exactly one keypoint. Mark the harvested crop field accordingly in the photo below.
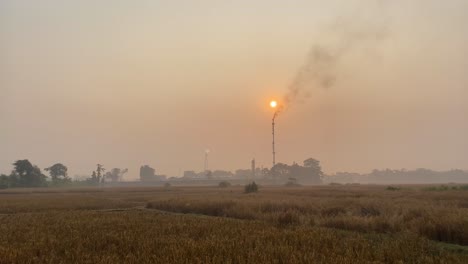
(323, 224)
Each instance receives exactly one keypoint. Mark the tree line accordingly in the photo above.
(310, 172)
(25, 174)
(389, 176)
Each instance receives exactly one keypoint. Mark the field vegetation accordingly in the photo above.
(323, 224)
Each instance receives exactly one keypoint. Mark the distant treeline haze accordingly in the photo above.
(25, 174)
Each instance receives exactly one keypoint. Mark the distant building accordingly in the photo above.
(147, 174)
(190, 174)
(222, 174)
(243, 174)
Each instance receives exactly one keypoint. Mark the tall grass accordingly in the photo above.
(146, 237)
(328, 224)
(436, 216)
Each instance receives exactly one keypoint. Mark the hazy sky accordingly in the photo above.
(127, 83)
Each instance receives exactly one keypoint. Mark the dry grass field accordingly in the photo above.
(322, 224)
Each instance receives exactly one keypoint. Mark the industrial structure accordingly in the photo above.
(274, 105)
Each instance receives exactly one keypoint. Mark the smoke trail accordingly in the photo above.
(321, 68)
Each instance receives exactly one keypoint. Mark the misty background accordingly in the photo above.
(367, 84)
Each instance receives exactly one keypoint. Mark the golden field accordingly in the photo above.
(319, 224)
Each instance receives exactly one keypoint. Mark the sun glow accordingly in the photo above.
(273, 104)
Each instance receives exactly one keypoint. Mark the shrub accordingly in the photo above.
(347, 223)
(212, 208)
(251, 188)
(447, 227)
(333, 211)
(437, 188)
(292, 184)
(224, 184)
(393, 188)
(288, 218)
(368, 211)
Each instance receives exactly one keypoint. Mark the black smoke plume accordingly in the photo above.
(322, 64)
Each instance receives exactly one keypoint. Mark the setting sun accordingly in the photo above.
(273, 104)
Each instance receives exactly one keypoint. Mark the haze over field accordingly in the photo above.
(369, 84)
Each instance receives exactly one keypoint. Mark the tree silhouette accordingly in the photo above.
(251, 187)
(4, 181)
(312, 163)
(280, 171)
(25, 174)
(311, 172)
(94, 179)
(115, 174)
(23, 167)
(100, 173)
(58, 173)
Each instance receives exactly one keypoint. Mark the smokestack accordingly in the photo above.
(277, 108)
(206, 160)
(273, 133)
(253, 168)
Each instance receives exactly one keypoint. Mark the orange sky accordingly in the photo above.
(127, 83)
